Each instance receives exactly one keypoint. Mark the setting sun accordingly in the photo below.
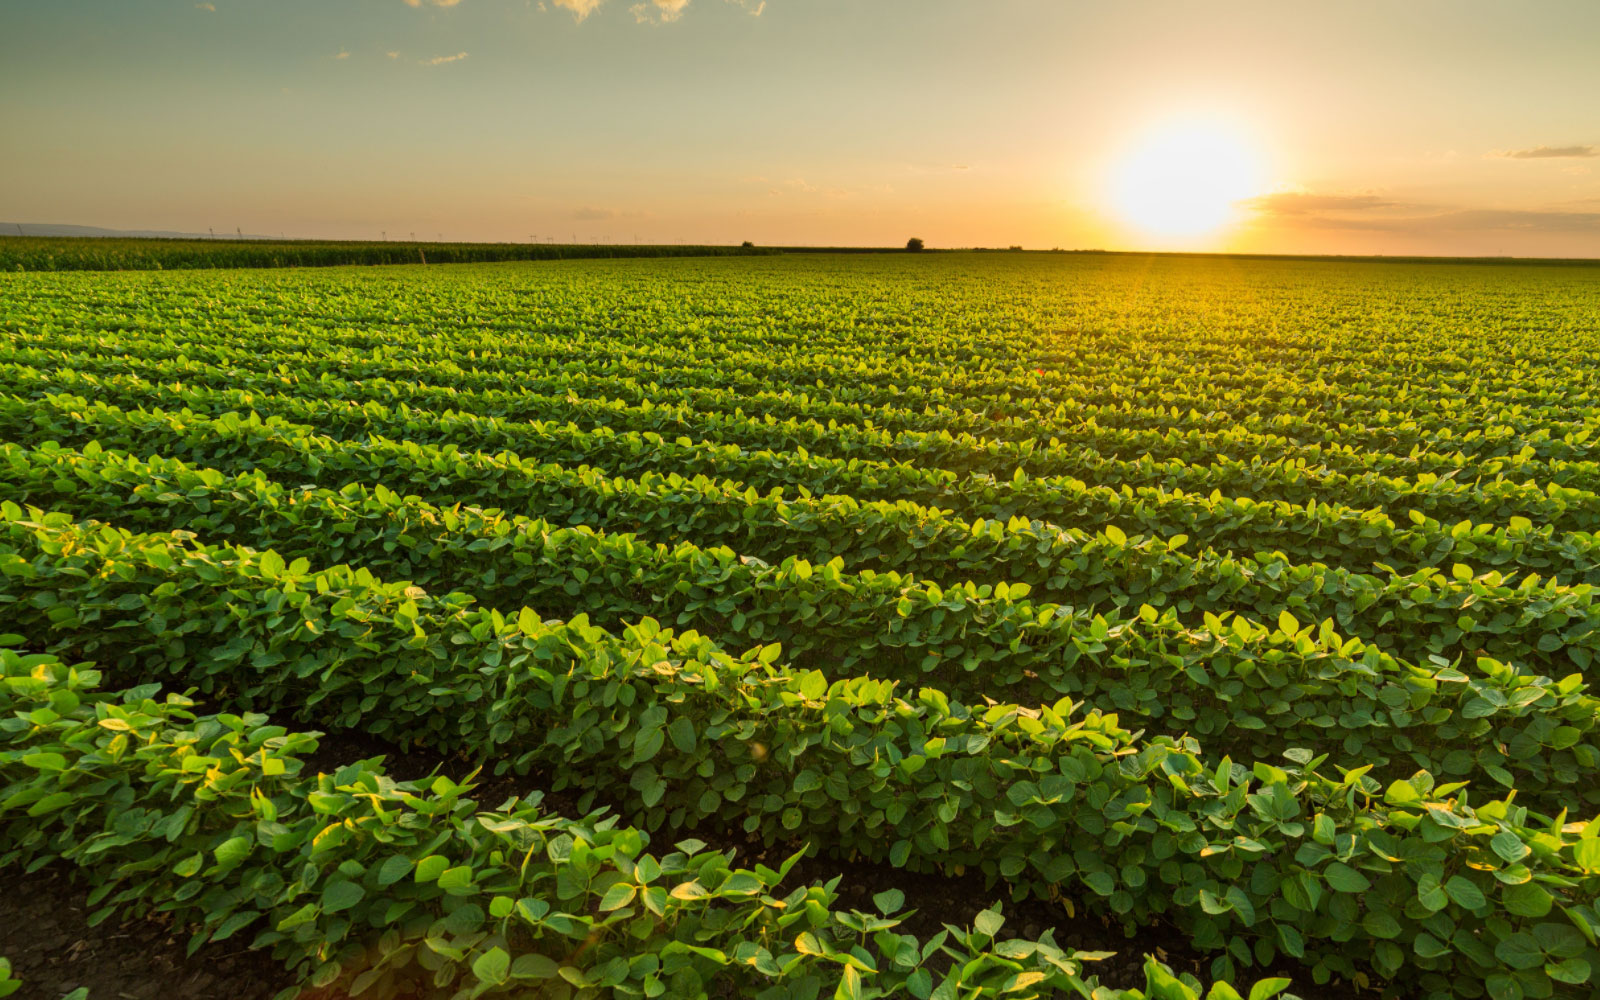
(1185, 180)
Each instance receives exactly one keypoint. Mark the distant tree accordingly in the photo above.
(747, 243)
(914, 243)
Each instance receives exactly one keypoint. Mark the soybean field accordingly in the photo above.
(896, 625)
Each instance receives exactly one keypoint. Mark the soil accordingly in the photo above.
(44, 929)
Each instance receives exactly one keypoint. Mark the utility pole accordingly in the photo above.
(212, 231)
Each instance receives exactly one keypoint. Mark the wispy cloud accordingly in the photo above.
(1508, 220)
(209, 8)
(1549, 152)
(441, 60)
(1367, 212)
(1306, 202)
(580, 8)
(343, 54)
(644, 12)
(392, 55)
(658, 11)
(435, 3)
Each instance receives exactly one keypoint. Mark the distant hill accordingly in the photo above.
(59, 229)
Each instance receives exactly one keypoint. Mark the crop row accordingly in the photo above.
(1423, 614)
(783, 312)
(69, 253)
(1496, 500)
(380, 887)
(845, 430)
(1312, 533)
(1240, 686)
(1440, 893)
(708, 386)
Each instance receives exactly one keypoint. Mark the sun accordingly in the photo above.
(1185, 179)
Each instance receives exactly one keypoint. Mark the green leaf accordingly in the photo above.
(849, 985)
(1568, 970)
(682, 733)
(1527, 900)
(988, 923)
(618, 896)
(233, 850)
(889, 901)
(534, 967)
(1503, 987)
(1101, 883)
(1464, 892)
(304, 915)
(456, 880)
(646, 744)
(1342, 878)
(431, 867)
(341, 895)
(492, 967)
(393, 870)
(1402, 793)
(1265, 989)
(1520, 951)
(1509, 846)
(1381, 924)
(1431, 894)
(1587, 854)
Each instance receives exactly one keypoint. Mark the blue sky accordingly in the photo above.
(1378, 127)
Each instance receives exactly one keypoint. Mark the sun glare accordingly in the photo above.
(1185, 180)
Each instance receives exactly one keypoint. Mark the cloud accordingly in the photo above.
(343, 54)
(1455, 221)
(580, 8)
(658, 11)
(392, 55)
(644, 12)
(1305, 202)
(436, 3)
(592, 213)
(441, 60)
(1514, 220)
(1549, 152)
(209, 8)
(1373, 213)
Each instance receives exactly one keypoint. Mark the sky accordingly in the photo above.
(1398, 127)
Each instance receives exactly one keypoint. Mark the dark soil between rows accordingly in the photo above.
(44, 916)
(44, 930)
